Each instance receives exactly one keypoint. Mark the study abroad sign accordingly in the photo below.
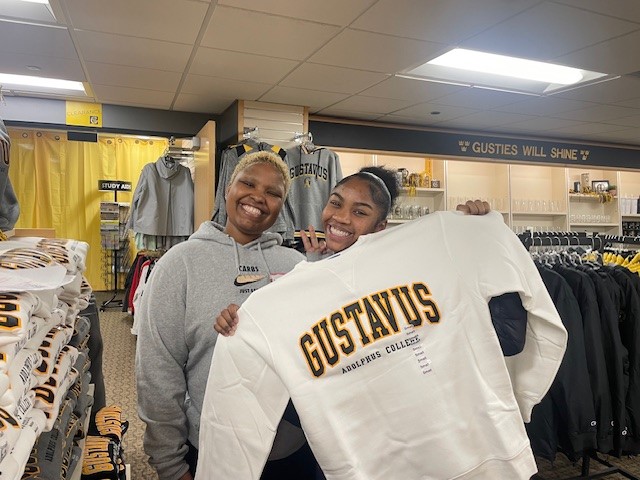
(366, 137)
(114, 186)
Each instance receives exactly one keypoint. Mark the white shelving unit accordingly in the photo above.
(528, 196)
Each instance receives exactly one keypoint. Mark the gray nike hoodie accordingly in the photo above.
(187, 289)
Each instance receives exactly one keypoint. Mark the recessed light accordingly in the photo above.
(28, 83)
(472, 68)
(43, 2)
(508, 66)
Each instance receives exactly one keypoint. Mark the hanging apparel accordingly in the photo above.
(313, 175)
(389, 356)
(584, 291)
(228, 162)
(9, 207)
(565, 418)
(163, 200)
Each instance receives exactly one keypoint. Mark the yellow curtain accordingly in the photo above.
(56, 182)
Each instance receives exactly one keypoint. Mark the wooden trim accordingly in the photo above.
(240, 106)
(35, 232)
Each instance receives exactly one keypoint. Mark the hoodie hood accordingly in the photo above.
(215, 232)
(167, 167)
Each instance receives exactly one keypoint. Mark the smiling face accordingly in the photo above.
(254, 200)
(349, 213)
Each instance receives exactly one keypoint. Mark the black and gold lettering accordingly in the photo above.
(423, 295)
(346, 342)
(311, 354)
(378, 329)
(325, 340)
(402, 296)
(353, 312)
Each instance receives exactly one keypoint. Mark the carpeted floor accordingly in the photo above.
(119, 374)
(118, 365)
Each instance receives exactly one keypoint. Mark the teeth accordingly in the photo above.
(251, 210)
(338, 232)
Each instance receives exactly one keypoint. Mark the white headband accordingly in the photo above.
(383, 186)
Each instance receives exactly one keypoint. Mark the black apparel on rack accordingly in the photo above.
(615, 353)
(584, 291)
(606, 309)
(565, 418)
(630, 334)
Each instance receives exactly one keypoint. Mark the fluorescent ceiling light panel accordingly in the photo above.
(20, 81)
(44, 2)
(508, 66)
(488, 70)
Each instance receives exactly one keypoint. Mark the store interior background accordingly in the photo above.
(211, 69)
(169, 68)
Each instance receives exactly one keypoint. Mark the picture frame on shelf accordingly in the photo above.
(599, 186)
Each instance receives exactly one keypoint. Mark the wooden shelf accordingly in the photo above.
(422, 190)
(593, 224)
(540, 214)
(630, 215)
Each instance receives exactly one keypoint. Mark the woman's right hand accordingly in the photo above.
(227, 321)
(311, 242)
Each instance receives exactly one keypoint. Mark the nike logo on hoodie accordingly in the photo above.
(245, 279)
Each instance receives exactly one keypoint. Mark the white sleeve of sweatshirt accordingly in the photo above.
(474, 253)
(243, 405)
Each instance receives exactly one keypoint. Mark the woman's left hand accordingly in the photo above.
(311, 242)
(474, 207)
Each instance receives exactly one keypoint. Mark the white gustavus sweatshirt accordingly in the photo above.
(390, 358)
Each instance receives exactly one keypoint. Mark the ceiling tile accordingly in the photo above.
(624, 9)
(331, 79)
(588, 128)
(36, 40)
(375, 52)
(480, 98)
(541, 124)
(338, 113)
(176, 21)
(240, 66)
(630, 121)
(599, 59)
(334, 12)
(134, 52)
(222, 87)
(297, 96)
(187, 102)
(410, 89)
(445, 112)
(406, 120)
(269, 35)
(543, 105)
(120, 76)
(548, 31)
(490, 119)
(137, 97)
(597, 113)
(63, 68)
(380, 106)
(443, 21)
(612, 91)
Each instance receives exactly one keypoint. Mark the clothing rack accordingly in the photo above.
(586, 466)
(619, 239)
(567, 239)
(250, 133)
(597, 242)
